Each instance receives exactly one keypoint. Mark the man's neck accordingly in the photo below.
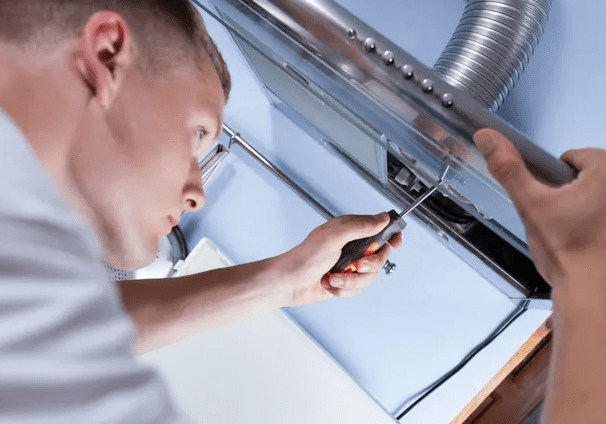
(34, 94)
(43, 98)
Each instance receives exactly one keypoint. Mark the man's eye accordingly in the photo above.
(201, 136)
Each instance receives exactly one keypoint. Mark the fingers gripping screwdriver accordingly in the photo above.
(356, 249)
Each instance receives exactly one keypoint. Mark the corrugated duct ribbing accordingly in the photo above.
(491, 46)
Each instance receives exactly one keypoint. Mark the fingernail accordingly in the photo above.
(364, 267)
(337, 281)
(484, 142)
(379, 217)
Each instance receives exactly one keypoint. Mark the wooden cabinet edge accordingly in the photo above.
(517, 388)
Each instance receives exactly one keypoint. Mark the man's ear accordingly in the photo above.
(104, 55)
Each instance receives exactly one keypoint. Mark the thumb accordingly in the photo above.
(584, 158)
(504, 163)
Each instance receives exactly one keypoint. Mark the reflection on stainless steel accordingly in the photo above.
(383, 110)
(491, 46)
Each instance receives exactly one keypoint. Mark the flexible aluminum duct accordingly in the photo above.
(491, 46)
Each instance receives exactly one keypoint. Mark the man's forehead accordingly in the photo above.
(210, 83)
(207, 71)
(212, 102)
(214, 96)
(204, 88)
(197, 91)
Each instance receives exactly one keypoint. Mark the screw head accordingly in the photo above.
(427, 85)
(408, 71)
(351, 33)
(447, 99)
(370, 45)
(389, 267)
(388, 58)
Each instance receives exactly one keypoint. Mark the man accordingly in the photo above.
(97, 98)
(105, 107)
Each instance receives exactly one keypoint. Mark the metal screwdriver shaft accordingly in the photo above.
(356, 249)
(425, 195)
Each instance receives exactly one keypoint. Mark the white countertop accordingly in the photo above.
(264, 370)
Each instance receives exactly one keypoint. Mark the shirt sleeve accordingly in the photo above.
(65, 341)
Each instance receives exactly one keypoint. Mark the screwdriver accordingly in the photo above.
(356, 249)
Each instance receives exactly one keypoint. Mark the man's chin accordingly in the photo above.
(128, 260)
(127, 264)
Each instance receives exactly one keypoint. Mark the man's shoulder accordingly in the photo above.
(64, 337)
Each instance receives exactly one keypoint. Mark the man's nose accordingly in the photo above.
(193, 192)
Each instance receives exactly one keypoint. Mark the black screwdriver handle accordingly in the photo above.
(357, 249)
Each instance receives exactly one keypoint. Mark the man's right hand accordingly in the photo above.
(565, 226)
(305, 267)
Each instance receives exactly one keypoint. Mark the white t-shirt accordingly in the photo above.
(65, 341)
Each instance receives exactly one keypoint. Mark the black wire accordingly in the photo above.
(181, 244)
(511, 318)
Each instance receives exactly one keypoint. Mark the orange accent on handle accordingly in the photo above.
(372, 248)
(350, 269)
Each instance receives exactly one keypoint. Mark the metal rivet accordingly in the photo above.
(460, 179)
(408, 71)
(443, 235)
(370, 45)
(447, 99)
(427, 85)
(388, 58)
(351, 33)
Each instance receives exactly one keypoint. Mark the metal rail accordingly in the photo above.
(234, 137)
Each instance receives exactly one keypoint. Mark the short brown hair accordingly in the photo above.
(166, 32)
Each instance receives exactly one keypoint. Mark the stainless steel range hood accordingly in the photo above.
(399, 123)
